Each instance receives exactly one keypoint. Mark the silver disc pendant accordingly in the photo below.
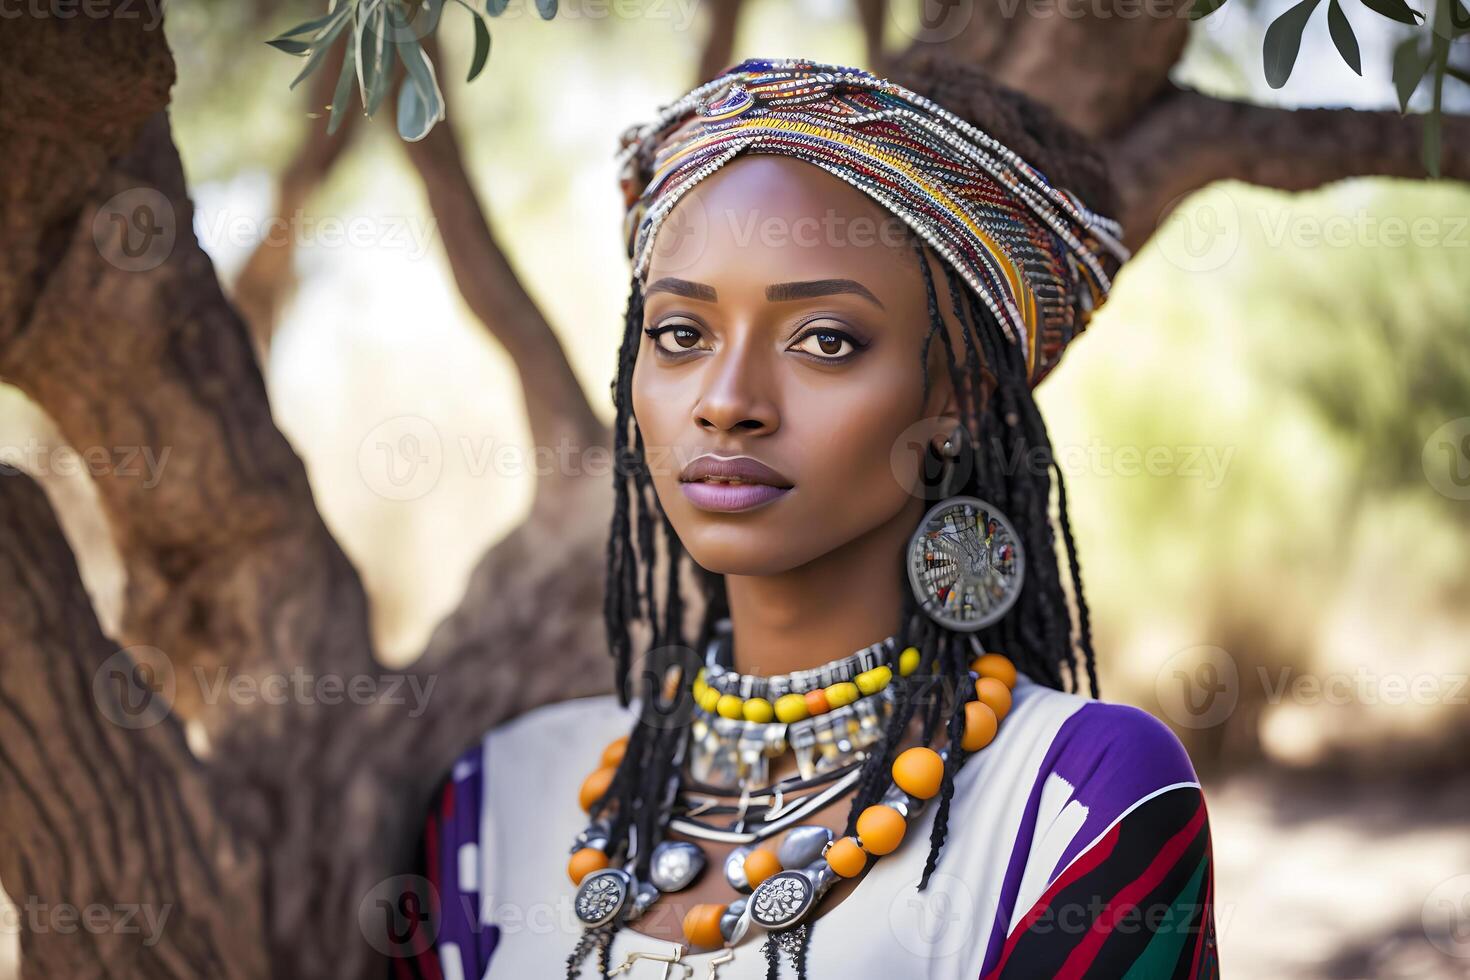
(965, 564)
(675, 865)
(602, 896)
(782, 899)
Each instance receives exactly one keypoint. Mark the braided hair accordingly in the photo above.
(1009, 463)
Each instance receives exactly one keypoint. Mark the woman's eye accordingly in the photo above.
(829, 344)
(676, 339)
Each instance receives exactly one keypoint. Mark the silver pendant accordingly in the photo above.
(803, 845)
(602, 896)
(675, 865)
(783, 899)
(735, 869)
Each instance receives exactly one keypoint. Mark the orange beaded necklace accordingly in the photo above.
(784, 883)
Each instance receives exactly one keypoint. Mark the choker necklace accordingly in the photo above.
(827, 716)
(777, 885)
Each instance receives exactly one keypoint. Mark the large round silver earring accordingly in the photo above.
(965, 560)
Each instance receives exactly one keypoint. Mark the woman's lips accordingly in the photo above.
(731, 483)
(731, 496)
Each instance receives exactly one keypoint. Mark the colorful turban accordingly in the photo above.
(1033, 253)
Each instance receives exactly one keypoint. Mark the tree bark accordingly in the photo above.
(114, 854)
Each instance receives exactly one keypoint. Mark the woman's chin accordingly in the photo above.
(742, 551)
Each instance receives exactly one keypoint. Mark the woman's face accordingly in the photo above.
(789, 313)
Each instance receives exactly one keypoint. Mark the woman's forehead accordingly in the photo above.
(781, 219)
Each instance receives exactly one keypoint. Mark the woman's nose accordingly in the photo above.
(737, 393)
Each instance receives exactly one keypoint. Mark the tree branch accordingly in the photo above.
(268, 279)
(1185, 140)
(557, 409)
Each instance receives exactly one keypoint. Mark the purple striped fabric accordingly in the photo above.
(1113, 755)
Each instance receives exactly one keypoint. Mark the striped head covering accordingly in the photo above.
(1033, 253)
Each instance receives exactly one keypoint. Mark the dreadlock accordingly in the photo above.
(1008, 461)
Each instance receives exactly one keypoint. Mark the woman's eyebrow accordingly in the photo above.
(681, 287)
(782, 291)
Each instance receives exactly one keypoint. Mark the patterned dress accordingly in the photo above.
(1078, 846)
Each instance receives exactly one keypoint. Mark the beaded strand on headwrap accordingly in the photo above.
(1038, 258)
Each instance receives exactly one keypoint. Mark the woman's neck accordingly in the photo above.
(828, 608)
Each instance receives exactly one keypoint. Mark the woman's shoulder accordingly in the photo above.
(1095, 741)
(558, 729)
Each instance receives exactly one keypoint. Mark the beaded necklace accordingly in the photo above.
(777, 886)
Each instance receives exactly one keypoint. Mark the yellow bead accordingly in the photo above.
(594, 786)
(697, 689)
(875, 680)
(702, 925)
(758, 709)
(846, 858)
(919, 771)
(730, 706)
(880, 829)
(760, 864)
(843, 692)
(980, 726)
(908, 661)
(997, 666)
(584, 862)
(790, 707)
(613, 754)
(995, 694)
(709, 698)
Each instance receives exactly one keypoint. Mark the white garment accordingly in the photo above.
(885, 928)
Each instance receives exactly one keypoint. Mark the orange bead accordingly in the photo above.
(816, 702)
(702, 925)
(995, 694)
(846, 858)
(760, 864)
(594, 786)
(995, 665)
(919, 771)
(584, 862)
(613, 754)
(881, 828)
(980, 726)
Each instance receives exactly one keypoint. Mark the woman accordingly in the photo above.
(852, 752)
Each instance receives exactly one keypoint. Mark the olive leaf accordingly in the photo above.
(1395, 10)
(1284, 40)
(1343, 37)
(1203, 8)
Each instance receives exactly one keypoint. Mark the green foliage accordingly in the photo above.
(1425, 53)
(382, 33)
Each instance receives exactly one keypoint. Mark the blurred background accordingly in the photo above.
(1266, 431)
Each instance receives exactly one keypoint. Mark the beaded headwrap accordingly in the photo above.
(1034, 254)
